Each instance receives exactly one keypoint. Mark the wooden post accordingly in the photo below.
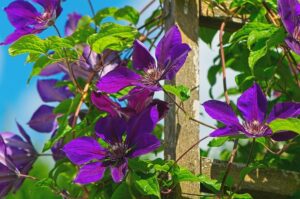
(180, 132)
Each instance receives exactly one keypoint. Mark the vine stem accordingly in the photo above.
(223, 62)
(83, 97)
(189, 117)
(71, 72)
(236, 141)
(229, 165)
(247, 164)
(27, 176)
(189, 149)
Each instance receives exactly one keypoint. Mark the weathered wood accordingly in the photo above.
(180, 132)
(212, 17)
(260, 183)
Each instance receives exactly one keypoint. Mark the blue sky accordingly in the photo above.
(18, 100)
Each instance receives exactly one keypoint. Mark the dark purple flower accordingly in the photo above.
(253, 107)
(289, 11)
(135, 104)
(49, 92)
(170, 55)
(93, 159)
(43, 120)
(88, 62)
(16, 157)
(72, 22)
(27, 20)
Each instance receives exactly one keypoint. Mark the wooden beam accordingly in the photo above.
(212, 17)
(180, 132)
(260, 183)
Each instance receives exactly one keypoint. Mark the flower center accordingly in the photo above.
(152, 76)
(296, 34)
(118, 151)
(255, 128)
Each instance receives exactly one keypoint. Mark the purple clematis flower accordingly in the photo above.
(71, 23)
(43, 119)
(170, 55)
(16, 157)
(135, 104)
(93, 159)
(27, 20)
(253, 106)
(289, 11)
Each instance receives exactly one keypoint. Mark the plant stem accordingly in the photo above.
(189, 149)
(247, 164)
(71, 72)
(189, 117)
(229, 165)
(223, 62)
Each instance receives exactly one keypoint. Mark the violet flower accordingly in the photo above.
(93, 159)
(253, 106)
(27, 20)
(135, 104)
(16, 157)
(71, 23)
(289, 11)
(170, 55)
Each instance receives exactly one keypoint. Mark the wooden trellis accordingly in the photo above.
(181, 132)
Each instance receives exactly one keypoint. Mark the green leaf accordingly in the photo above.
(39, 65)
(207, 35)
(153, 20)
(242, 196)
(181, 174)
(289, 124)
(211, 184)
(127, 13)
(112, 36)
(249, 169)
(122, 192)
(180, 91)
(106, 12)
(28, 44)
(147, 186)
(217, 142)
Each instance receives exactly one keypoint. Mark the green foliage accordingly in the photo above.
(112, 36)
(182, 92)
(289, 124)
(126, 13)
(217, 142)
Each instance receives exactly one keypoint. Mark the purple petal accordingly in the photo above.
(293, 44)
(144, 144)
(43, 119)
(141, 57)
(71, 24)
(50, 6)
(253, 104)
(283, 136)
(139, 98)
(222, 112)
(175, 61)
(111, 129)
(52, 69)
(170, 39)
(21, 14)
(83, 150)
(104, 103)
(143, 123)
(162, 107)
(23, 133)
(89, 173)
(284, 110)
(17, 34)
(225, 131)
(289, 11)
(50, 93)
(117, 79)
(119, 172)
